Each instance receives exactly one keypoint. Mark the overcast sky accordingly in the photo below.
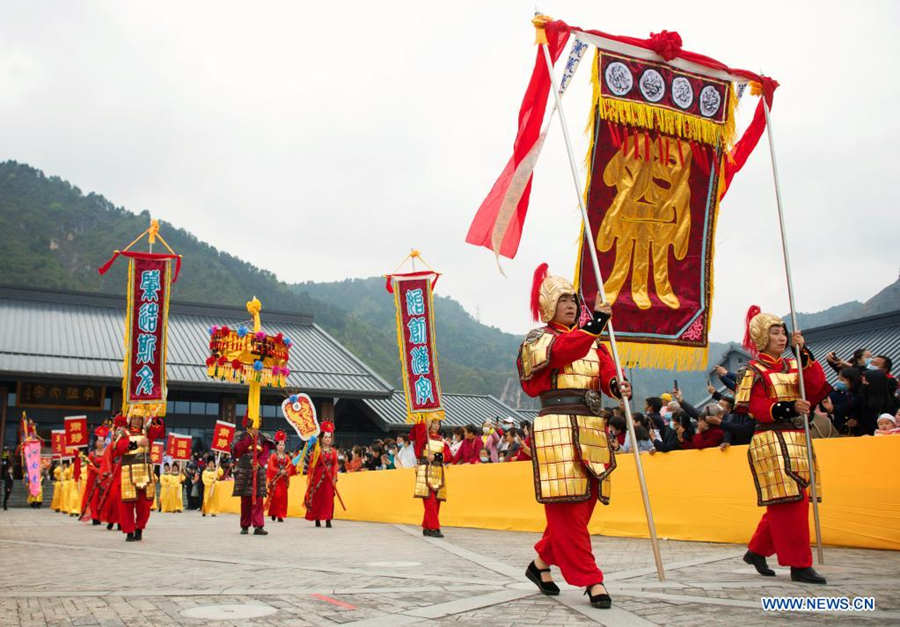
(358, 130)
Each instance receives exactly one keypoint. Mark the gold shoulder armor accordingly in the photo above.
(746, 377)
(534, 354)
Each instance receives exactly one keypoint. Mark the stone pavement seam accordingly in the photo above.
(485, 562)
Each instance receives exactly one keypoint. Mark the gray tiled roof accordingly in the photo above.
(76, 335)
(462, 409)
(880, 334)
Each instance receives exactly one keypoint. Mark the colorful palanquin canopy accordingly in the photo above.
(243, 356)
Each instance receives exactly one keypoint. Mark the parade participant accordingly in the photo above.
(251, 449)
(111, 477)
(57, 487)
(177, 488)
(572, 458)
(65, 492)
(431, 484)
(321, 479)
(91, 499)
(211, 474)
(769, 390)
(278, 477)
(79, 483)
(137, 485)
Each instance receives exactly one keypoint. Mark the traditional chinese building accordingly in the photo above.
(61, 354)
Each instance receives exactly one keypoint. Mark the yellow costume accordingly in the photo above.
(66, 492)
(78, 488)
(178, 480)
(170, 487)
(209, 479)
(57, 488)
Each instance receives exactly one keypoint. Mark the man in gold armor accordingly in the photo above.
(769, 390)
(137, 480)
(568, 367)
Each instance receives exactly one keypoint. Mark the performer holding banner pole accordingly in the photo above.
(797, 349)
(588, 237)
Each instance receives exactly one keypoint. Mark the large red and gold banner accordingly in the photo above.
(223, 436)
(414, 303)
(178, 446)
(660, 142)
(76, 432)
(144, 385)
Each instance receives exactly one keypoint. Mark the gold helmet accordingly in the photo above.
(546, 291)
(756, 337)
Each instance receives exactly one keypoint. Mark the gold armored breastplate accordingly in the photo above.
(782, 386)
(581, 374)
(435, 446)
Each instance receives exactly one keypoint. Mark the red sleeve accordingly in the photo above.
(121, 446)
(240, 446)
(607, 370)
(448, 455)
(271, 469)
(814, 381)
(419, 436)
(760, 403)
(568, 347)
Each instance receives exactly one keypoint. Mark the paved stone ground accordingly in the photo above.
(189, 569)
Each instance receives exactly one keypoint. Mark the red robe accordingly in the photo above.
(110, 478)
(322, 475)
(419, 435)
(278, 489)
(133, 515)
(91, 496)
(784, 528)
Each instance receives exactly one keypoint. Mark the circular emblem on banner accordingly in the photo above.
(652, 85)
(682, 92)
(710, 101)
(618, 78)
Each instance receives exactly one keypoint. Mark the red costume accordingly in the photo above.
(320, 481)
(279, 469)
(93, 489)
(109, 481)
(252, 454)
(778, 458)
(570, 449)
(431, 485)
(137, 486)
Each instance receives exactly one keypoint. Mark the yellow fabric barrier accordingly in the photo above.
(705, 495)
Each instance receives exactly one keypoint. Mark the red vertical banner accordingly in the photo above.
(76, 432)
(146, 321)
(156, 453)
(223, 436)
(58, 442)
(414, 303)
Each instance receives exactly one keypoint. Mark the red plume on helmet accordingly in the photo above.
(327, 427)
(119, 421)
(280, 436)
(748, 343)
(540, 273)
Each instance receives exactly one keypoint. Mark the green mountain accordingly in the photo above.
(55, 236)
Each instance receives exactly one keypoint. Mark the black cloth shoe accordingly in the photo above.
(118, 526)
(281, 520)
(328, 524)
(534, 574)
(259, 531)
(95, 522)
(318, 524)
(244, 531)
(130, 537)
(138, 534)
(436, 533)
(806, 575)
(601, 600)
(759, 562)
(426, 532)
(109, 527)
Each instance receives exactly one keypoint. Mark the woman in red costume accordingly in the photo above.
(431, 485)
(279, 469)
(322, 478)
(110, 477)
(769, 390)
(137, 485)
(567, 367)
(91, 498)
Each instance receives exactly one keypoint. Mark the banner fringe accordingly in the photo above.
(663, 356)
